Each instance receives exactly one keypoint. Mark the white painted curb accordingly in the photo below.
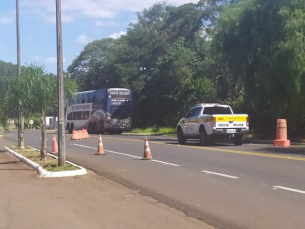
(44, 173)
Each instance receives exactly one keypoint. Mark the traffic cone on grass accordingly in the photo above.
(54, 146)
(147, 153)
(100, 148)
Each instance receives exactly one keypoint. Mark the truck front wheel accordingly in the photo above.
(181, 138)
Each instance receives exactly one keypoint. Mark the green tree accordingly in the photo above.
(88, 67)
(7, 69)
(38, 92)
(262, 42)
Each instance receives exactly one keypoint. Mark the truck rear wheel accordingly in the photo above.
(181, 138)
(238, 139)
(204, 138)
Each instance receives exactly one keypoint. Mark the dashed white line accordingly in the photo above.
(289, 189)
(128, 155)
(166, 163)
(219, 174)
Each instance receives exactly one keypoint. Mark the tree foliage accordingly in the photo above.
(7, 69)
(246, 53)
(263, 44)
(38, 93)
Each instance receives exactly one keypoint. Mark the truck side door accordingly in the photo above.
(186, 121)
(194, 121)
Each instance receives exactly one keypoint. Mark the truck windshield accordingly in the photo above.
(217, 110)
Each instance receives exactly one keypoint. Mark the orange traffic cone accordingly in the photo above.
(147, 153)
(74, 135)
(84, 134)
(100, 148)
(80, 135)
(281, 134)
(55, 145)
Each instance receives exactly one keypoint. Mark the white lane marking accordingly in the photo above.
(84, 146)
(129, 155)
(289, 189)
(219, 174)
(166, 163)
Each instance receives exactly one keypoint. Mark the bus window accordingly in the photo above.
(69, 117)
(71, 101)
(89, 97)
(83, 97)
(77, 99)
(87, 113)
(100, 98)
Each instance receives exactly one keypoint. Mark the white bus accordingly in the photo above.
(99, 111)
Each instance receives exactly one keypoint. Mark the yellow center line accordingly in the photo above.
(219, 150)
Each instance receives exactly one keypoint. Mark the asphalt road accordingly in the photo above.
(248, 186)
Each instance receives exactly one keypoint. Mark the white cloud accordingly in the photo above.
(64, 18)
(83, 39)
(37, 58)
(99, 9)
(117, 35)
(106, 23)
(51, 60)
(6, 20)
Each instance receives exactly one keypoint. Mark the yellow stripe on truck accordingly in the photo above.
(231, 118)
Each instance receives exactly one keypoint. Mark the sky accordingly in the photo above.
(83, 21)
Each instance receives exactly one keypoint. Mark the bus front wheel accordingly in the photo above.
(71, 128)
(91, 128)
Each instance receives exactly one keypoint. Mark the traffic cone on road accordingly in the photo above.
(147, 153)
(100, 148)
(281, 134)
(84, 134)
(80, 135)
(55, 145)
(74, 135)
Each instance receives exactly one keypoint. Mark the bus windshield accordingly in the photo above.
(120, 104)
(121, 111)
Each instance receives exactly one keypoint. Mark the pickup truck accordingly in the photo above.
(209, 122)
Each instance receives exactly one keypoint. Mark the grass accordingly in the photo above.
(50, 164)
(155, 130)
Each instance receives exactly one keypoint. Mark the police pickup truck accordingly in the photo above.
(211, 121)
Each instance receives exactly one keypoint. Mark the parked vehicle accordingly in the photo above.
(210, 122)
(99, 111)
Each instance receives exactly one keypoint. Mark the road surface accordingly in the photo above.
(248, 186)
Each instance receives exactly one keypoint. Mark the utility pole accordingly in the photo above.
(60, 89)
(20, 115)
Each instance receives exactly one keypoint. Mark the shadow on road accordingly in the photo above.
(259, 148)
(292, 150)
